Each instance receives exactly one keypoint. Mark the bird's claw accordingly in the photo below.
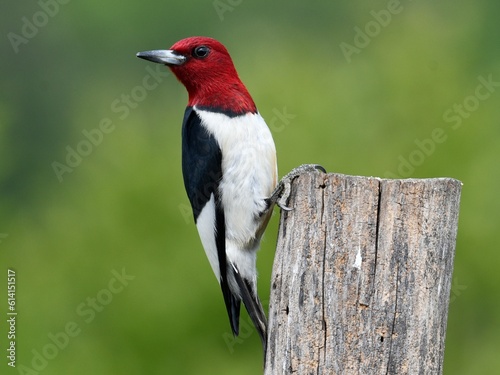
(282, 192)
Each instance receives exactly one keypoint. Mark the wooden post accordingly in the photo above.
(361, 277)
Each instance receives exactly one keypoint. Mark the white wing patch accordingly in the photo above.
(206, 229)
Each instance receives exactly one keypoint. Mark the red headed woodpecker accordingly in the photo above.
(229, 168)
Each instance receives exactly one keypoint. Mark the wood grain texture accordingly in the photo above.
(362, 275)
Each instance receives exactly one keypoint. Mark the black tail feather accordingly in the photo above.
(233, 304)
(254, 307)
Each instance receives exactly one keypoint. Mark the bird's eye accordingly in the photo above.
(201, 52)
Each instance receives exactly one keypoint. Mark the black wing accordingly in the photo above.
(202, 171)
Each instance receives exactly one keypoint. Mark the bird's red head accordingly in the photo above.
(205, 68)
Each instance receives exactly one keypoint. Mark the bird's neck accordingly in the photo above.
(229, 97)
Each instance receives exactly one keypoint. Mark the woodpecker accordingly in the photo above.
(229, 168)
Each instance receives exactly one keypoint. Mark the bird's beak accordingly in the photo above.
(167, 57)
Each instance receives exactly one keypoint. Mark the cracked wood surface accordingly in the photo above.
(362, 275)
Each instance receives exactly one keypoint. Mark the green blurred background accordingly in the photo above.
(361, 109)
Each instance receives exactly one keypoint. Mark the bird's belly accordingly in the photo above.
(248, 179)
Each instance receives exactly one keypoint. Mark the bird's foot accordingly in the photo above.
(281, 193)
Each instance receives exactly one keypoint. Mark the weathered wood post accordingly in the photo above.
(361, 277)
